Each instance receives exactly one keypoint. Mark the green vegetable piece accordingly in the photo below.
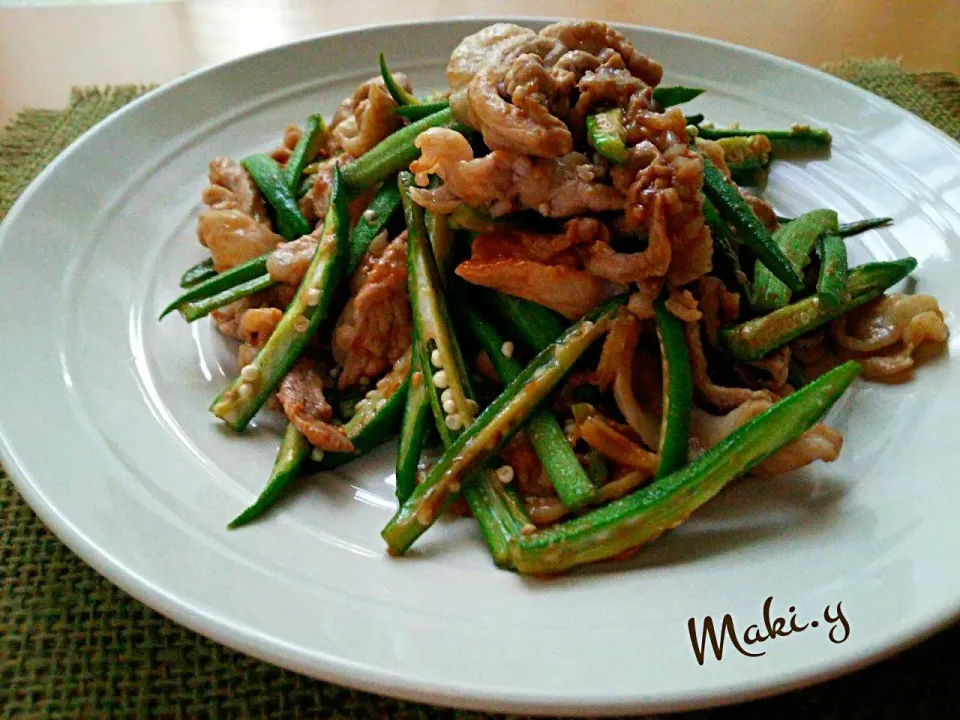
(446, 379)
(798, 138)
(241, 400)
(694, 119)
(499, 514)
(396, 90)
(726, 261)
(734, 209)
(832, 282)
(572, 484)
(677, 391)
(606, 135)
(755, 338)
(394, 153)
(273, 184)
(374, 220)
(294, 449)
(197, 273)
(305, 185)
(418, 411)
(432, 325)
(670, 95)
(370, 425)
(196, 309)
(494, 426)
(536, 326)
(645, 514)
(797, 241)
(367, 429)
(418, 112)
(308, 146)
(477, 220)
(413, 431)
(860, 226)
(746, 158)
(220, 283)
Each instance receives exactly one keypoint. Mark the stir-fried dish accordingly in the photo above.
(552, 287)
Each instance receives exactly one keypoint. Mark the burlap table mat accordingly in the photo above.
(73, 645)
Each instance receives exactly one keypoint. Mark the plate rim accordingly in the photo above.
(348, 673)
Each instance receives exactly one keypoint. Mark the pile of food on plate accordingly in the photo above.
(555, 278)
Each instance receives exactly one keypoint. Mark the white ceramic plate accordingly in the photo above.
(105, 429)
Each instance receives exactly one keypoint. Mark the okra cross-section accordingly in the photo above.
(494, 426)
(243, 398)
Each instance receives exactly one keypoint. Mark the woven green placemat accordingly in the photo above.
(73, 645)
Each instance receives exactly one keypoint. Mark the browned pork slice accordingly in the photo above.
(375, 328)
(365, 118)
(235, 229)
(304, 404)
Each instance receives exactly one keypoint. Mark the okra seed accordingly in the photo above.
(446, 395)
(453, 421)
(440, 379)
(505, 474)
(528, 529)
(301, 324)
(381, 403)
(472, 404)
(335, 372)
(313, 297)
(370, 215)
(449, 406)
(371, 394)
(507, 349)
(244, 390)
(435, 358)
(250, 373)
(316, 454)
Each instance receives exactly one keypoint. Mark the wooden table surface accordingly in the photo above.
(44, 50)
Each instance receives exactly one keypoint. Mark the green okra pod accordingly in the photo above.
(197, 273)
(670, 95)
(196, 309)
(494, 426)
(422, 110)
(536, 326)
(832, 281)
(396, 90)
(219, 283)
(272, 182)
(647, 513)
(568, 477)
(734, 209)
(797, 240)
(294, 449)
(677, 391)
(239, 402)
(799, 137)
(308, 146)
(373, 221)
(755, 338)
(394, 153)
